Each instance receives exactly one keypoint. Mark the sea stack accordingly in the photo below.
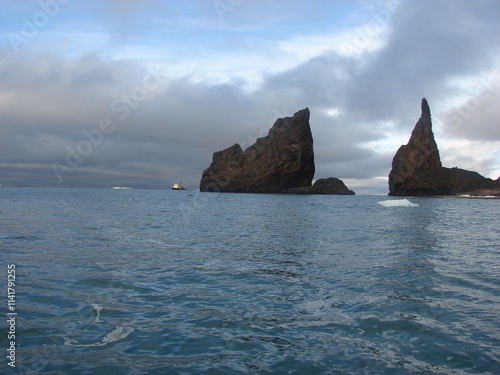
(282, 160)
(417, 169)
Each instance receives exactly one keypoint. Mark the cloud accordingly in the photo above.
(363, 103)
(420, 58)
(476, 117)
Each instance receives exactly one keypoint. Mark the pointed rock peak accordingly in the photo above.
(414, 160)
(417, 169)
(304, 112)
(426, 111)
(422, 137)
(423, 129)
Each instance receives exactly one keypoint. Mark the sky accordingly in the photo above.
(141, 93)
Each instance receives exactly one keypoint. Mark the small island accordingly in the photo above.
(417, 169)
(281, 162)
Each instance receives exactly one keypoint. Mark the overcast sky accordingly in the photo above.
(140, 93)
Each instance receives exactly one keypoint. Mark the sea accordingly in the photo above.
(130, 281)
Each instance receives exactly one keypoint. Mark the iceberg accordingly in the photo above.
(398, 203)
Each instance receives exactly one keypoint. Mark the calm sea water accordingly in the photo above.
(182, 282)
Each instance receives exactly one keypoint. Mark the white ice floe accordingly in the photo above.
(398, 203)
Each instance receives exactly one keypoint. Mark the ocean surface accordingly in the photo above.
(183, 282)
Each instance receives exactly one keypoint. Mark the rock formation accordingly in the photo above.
(282, 160)
(330, 185)
(417, 168)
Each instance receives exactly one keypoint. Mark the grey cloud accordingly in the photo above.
(477, 118)
(174, 130)
(46, 102)
(431, 42)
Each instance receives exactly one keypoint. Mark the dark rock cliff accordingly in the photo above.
(282, 160)
(417, 170)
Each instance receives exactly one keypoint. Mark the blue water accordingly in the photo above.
(182, 282)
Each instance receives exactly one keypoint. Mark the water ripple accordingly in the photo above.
(144, 282)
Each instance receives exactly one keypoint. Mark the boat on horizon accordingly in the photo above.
(178, 186)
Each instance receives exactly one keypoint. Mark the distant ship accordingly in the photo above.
(177, 186)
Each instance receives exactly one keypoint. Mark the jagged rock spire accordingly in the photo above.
(417, 158)
(422, 149)
(426, 111)
(414, 165)
(417, 168)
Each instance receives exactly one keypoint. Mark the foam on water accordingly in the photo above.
(117, 334)
(478, 196)
(98, 312)
(398, 203)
